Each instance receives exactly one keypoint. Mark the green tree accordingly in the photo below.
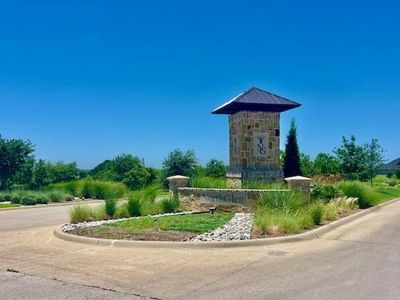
(215, 168)
(281, 158)
(61, 172)
(40, 174)
(352, 159)
(24, 175)
(291, 165)
(397, 173)
(125, 168)
(137, 177)
(326, 164)
(13, 155)
(307, 165)
(374, 158)
(179, 163)
(125, 163)
(154, 174)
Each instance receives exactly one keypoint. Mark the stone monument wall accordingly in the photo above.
(254, 139)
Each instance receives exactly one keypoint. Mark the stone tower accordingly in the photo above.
(254, 134)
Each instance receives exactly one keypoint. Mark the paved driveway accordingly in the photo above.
(360, 260)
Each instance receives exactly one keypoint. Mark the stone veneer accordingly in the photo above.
(254, 145)
(211, 196)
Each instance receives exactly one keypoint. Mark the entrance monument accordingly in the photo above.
(254, 135)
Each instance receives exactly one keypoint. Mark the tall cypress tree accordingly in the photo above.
(291, 166)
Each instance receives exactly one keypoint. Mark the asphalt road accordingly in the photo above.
(31, 217)
(360, 260)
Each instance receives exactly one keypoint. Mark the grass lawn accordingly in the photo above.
(173, 228)
(200, 223)
(387, 193)
(8, 205)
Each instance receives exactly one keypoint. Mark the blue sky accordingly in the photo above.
(88, 80)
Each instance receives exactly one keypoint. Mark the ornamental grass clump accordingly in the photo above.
(110, 207)
(170, 205)
(316, 211)
(92, 189)
(330, 211)
(57, 196)
(281, 213)
(147, 199)
(367, 197)
(81, 213)
(85, 213)
(133, 206)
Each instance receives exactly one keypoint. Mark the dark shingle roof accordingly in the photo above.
(255, 99)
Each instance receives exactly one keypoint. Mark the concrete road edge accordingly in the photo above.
(309, 235)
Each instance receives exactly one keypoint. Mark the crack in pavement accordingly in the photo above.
(65, 283)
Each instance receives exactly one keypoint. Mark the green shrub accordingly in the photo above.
(208, 182)
(134, 206)
(5, 197)
(397, 173)
(392, 182)
(170, 205)
(16, 197)
(326, 192)
(57, 196)
(27, 199)
(366, 196)
(215, 168)
(110, 206)
(41, 198)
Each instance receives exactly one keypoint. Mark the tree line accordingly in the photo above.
(351, 160)
(18, 165)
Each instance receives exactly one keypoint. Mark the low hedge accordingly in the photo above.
(33, 197)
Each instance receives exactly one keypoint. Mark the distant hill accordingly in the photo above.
(393, 165)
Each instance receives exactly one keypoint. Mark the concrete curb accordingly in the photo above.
(71, 203)
(305, 236)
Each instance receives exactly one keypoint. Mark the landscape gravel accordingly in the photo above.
(239, 228)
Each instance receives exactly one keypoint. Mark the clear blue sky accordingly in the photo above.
(88, 80)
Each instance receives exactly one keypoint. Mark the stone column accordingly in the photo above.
(234, 180)
(175, 182)
(301, 184)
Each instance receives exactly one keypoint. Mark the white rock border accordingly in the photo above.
(237, 229)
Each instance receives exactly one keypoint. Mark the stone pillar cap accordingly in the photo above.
(177, 177)
(298, 178)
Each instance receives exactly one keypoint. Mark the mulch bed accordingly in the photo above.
(115, 233)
